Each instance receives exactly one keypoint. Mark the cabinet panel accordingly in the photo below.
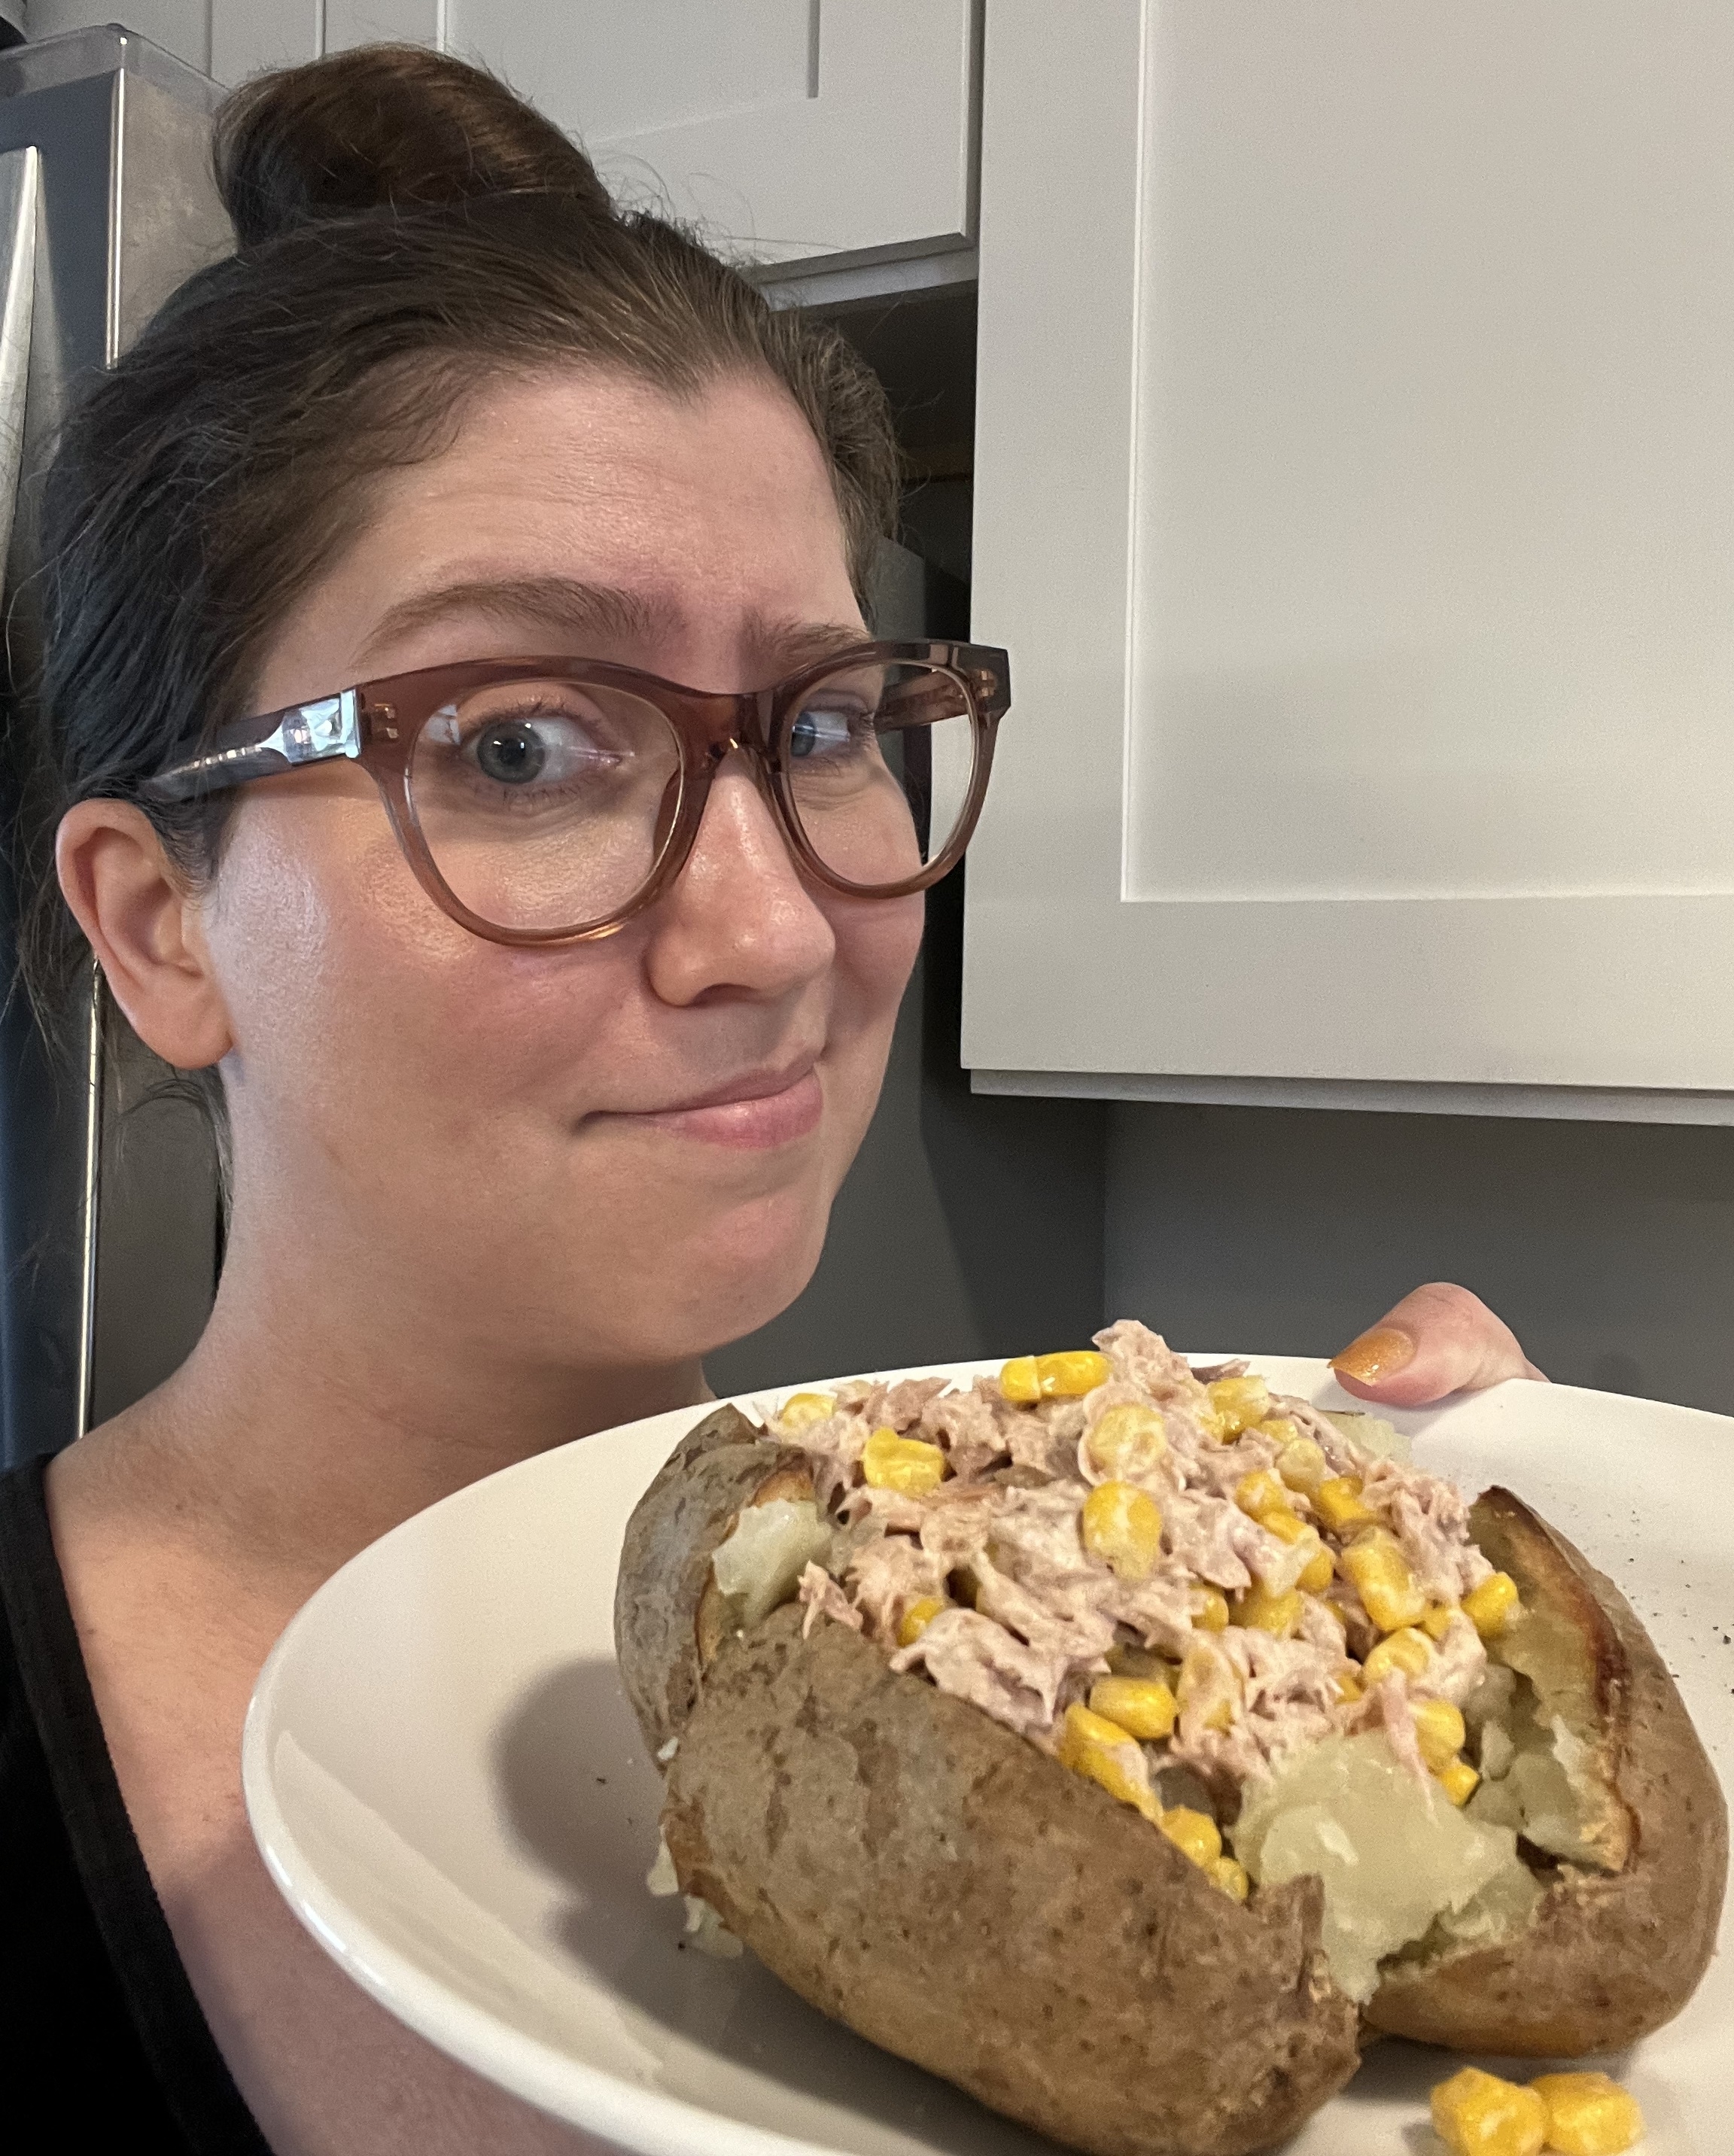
(620, 71)
(249, 35)
(795, 128)
(371, 22)
(1359, 522)
(792, 129)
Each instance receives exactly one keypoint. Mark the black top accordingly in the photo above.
(102, 2040)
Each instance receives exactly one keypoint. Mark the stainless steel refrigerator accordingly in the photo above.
(109, 1216)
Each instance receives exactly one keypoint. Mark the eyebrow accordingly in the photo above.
(563, 605)
(573, 609)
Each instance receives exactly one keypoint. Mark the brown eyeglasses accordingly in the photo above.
(549, 800)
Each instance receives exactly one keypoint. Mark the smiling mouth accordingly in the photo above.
(752, 1113)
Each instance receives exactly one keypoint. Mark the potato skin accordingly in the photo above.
(916, 1869)
(1609, 1956)
(666, 1607)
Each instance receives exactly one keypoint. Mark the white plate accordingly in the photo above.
(448, 1787)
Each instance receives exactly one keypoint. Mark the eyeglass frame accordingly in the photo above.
(374, 724)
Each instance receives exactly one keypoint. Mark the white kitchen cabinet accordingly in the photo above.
(249, 35)
(793, 130)
(1355, 490)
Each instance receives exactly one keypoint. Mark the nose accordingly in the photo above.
(739, 921)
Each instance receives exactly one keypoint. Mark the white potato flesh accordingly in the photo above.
(1532, 1790)
(771, 1546)
(1392, 1852)
(1373, 1434)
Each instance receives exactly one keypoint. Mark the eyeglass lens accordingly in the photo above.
(546, 804)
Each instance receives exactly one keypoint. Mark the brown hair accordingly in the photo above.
(407, 230)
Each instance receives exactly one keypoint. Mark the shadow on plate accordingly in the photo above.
(583, 1800)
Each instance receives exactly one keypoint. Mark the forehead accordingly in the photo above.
(705, 518)
(630, 485)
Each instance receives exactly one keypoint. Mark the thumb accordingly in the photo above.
(1438, 1340)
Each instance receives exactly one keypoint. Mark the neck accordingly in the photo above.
(318, 1410)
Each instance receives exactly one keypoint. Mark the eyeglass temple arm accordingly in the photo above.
(308, 733)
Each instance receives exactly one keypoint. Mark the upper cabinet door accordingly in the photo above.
(1355, 490)
(791, 128)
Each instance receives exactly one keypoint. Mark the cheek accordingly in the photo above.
(877, 941)
(367, 1024)
(876, 945)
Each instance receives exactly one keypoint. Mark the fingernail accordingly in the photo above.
(1380, 1353)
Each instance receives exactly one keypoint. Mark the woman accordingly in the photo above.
(495, 1184)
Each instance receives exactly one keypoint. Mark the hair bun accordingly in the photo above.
(384, 125)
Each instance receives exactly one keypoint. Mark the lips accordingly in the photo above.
(753, 1112)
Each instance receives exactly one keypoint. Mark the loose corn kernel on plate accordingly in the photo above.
(450, 1790)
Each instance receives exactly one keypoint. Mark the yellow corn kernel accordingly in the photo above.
(1287, 1526)
(1127, 1440)
(1437, 1621)
(1240, 1402)
(1143, 1707)
(1588, 2114)
(1092, 1746)
(1492, 1606)
(1438, 1732)
(905, 1464)
(1477, 2114)
(1261, 1611)
(1348, 1684)
(1071, 1373)
(919, 1615)
(1317, 1574)
(1123, 1524)
(1338, 1500)
(1209, 1608)
(801, 1410)
(1460, 1781)
(1260, 1493)
(1083, 1726)
(1280, 1429)
(1208, 1680)
(1381, 1577)
(1408, 1650)
(1300, 1463)
(1231, 1877)
(1018, 1382)
(1194, 1834)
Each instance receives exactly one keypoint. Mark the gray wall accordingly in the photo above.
(1608, 1247)
(977, 1227)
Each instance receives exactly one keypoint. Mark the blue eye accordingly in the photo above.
(555, 747)
(512, 753)
(818, 729)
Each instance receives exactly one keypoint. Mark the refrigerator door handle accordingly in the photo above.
(20, 187)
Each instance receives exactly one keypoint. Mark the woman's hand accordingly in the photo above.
(1438, 1339)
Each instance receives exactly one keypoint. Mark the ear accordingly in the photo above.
(144, 926)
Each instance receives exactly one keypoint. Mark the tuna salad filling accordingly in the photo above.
(1256, 1623)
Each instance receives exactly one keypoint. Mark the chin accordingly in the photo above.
(748, 1269)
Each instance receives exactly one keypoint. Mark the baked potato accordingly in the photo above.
(1128, 1744)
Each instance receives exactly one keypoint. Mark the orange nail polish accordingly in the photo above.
(1380, 1353)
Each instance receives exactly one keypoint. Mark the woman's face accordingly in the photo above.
(618, 1152)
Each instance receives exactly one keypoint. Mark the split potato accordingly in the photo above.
(950, 1890)
(1632, 1892)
